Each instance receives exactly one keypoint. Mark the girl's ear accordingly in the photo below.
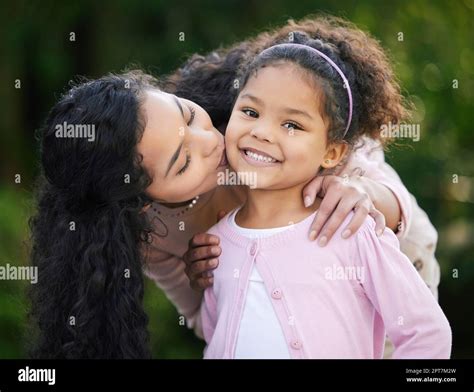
(334, 154)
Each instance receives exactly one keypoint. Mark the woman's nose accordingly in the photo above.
(208, 140)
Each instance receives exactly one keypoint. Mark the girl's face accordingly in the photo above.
(181, 149)
(276, 129)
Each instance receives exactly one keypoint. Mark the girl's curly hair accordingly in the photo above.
(211, 80)
(326, 81)
(88, 229)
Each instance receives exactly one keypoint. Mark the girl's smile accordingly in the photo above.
(258, 158)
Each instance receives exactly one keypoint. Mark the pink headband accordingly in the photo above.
(334, 65)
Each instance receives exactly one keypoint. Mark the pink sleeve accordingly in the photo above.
(208, 314)
(167, 271)
(412, 318)
(371, 162)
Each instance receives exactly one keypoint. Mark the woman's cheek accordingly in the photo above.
(233, 157)
(231, 145)
(229, 138)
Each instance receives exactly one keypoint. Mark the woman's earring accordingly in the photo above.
(327, 161)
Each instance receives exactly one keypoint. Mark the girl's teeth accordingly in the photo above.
(258, 157)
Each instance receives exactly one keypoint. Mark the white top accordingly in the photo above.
(260, 335)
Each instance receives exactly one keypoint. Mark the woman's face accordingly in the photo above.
(181, 149)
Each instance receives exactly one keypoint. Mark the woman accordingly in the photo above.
(153, 151)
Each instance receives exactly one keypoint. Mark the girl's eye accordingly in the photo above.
(293, 126)
(193, 114)
(186, 165)
(250, 113)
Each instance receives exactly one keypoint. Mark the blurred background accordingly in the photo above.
(434, 62)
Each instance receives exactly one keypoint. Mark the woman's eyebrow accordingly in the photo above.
(180, 107)
(174, 158)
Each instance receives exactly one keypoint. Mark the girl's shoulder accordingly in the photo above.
(365, 235)
(222, 224)
(367, 241)
(367, 227)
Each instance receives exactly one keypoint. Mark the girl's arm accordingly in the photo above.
(412, 318)
(208, 314)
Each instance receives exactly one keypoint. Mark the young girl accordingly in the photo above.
(275, 295)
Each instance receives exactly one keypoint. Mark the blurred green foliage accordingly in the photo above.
(437, 48)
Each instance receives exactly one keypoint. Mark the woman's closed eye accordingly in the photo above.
(192, 114)
(186, 165)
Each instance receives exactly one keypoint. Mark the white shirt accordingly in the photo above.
(260, 335)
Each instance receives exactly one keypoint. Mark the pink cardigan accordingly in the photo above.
(333, 302)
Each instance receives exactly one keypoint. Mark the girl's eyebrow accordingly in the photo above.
(252, 98)
(286, 110)
(297, 111)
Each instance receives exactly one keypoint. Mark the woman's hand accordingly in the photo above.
(201, 258)
(340, 196)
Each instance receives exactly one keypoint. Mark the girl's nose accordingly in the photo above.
(262, 133)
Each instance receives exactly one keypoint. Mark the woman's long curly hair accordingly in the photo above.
(212, 80)
(88, 228)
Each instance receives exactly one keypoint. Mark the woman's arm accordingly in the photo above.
(340, 195)
(366, 184)
(168, 272)
(384, 200)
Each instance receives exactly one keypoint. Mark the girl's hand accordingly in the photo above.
(201, 258)
(340, 196)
